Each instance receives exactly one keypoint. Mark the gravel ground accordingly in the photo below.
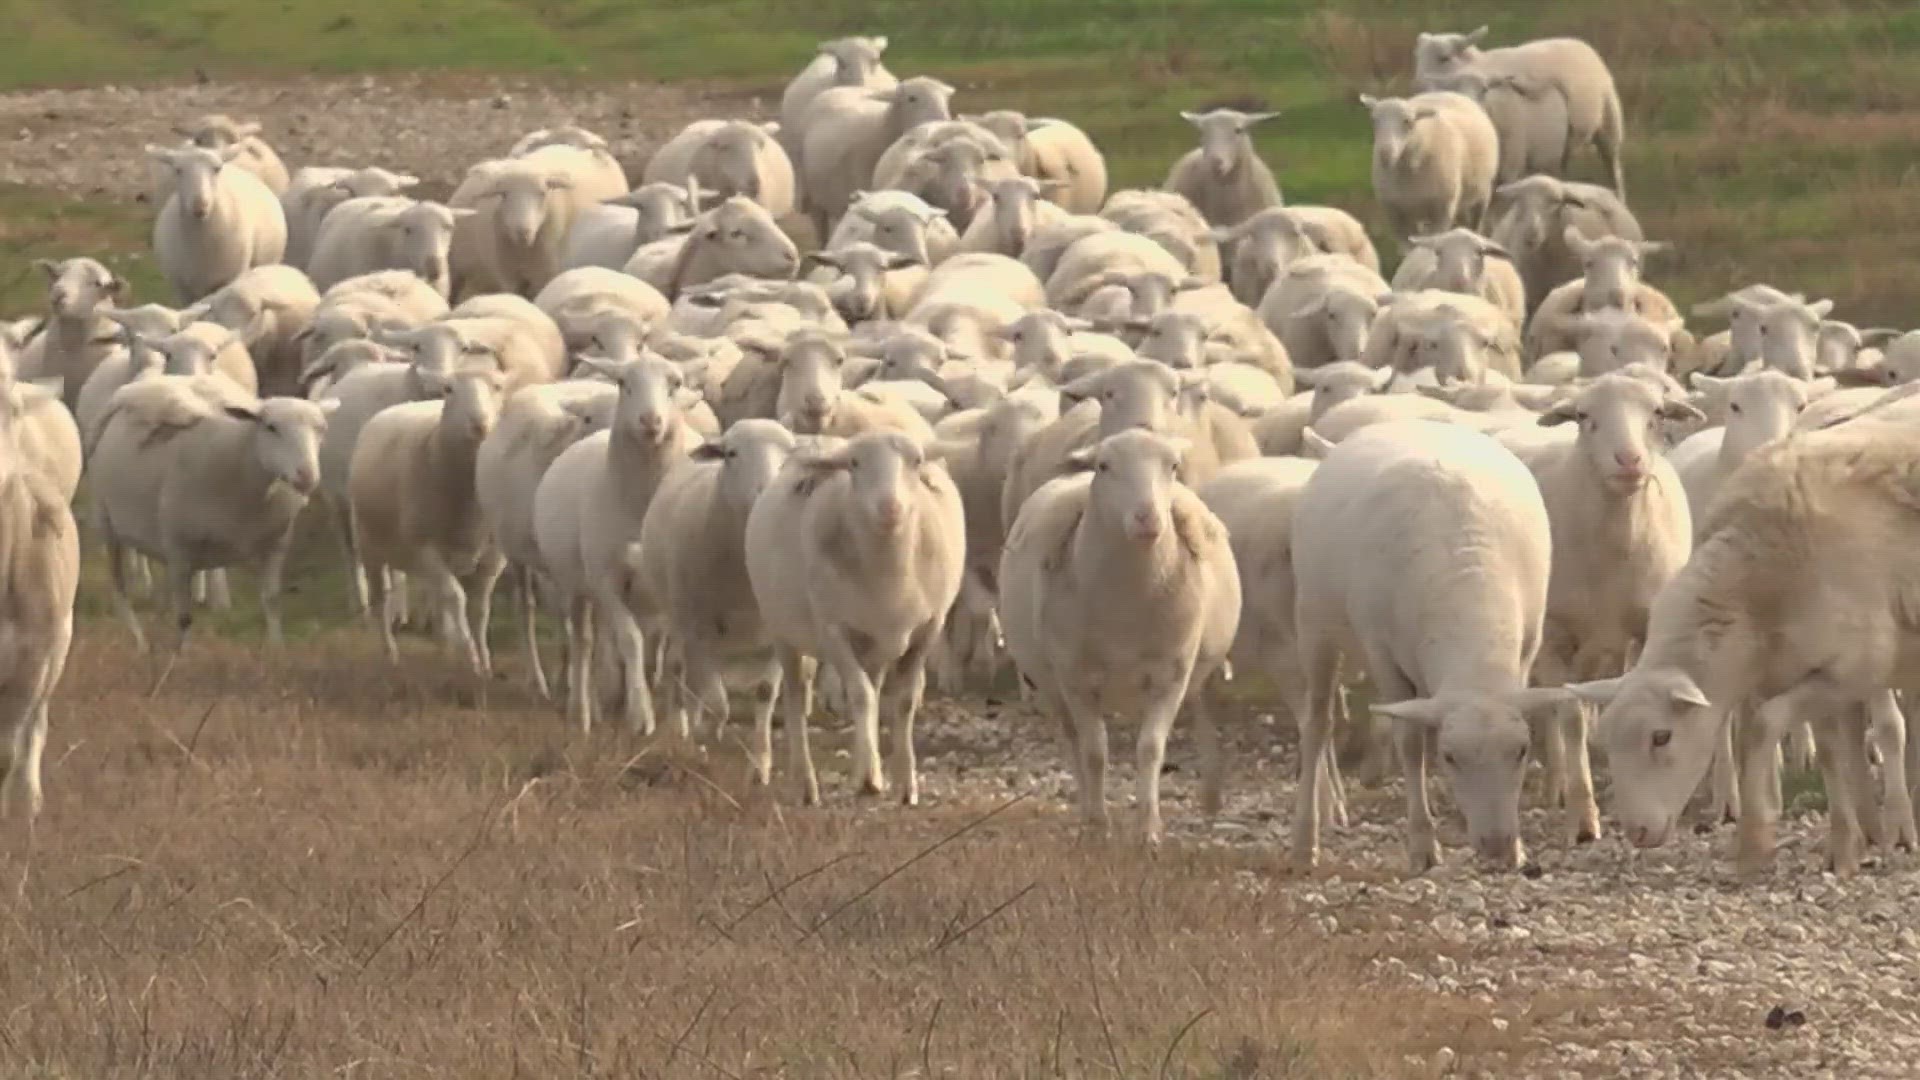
(1613, 963)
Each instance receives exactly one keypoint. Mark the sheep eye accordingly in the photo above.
(1734, 409)
(1662, 738)
(1522, 755)
(1449, 759)
(1102, 467)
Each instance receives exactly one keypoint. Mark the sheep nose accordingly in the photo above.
(889, 510)
(652, 426)
(1630, 463)
(1144, 525)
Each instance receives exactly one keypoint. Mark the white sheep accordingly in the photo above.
(1100, 258)
(1530, 218)
(575, 298)
(1323, 308)
(849, 61)
(1463, 261)
(1449, 328)
(363, 306)
(736, 237)
(1270, 242)
(1224, 177)
(607, 234)
(855, 553)
(1169, 219)
(75, 337)
(316, 189)
(267, 308)
(1422, 550)
(1751, 618)
(873, 283)
(41, 568)
(1735, 349)
(1054, 152)
(1610, 339)
(1569, 65)
(727, 158)
(536, 424)
(1434, 159)
(527, 209)
(1529, 113)
(949, 164)
(847, 128)
(201, 486)
(524, 351)
(1017, 208)
(693, 563)
(216, 131)
(1119, 593)
(218, 221)
(1611, 278)
(393, 232)
(1621, 530)
(410, 483)
(588, 511)
(897, 221)
(812, 399)
(1045, 341)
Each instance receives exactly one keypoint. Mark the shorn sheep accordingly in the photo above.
(1119, 592)
(855, 555)
(1434, 160)
(1224, 177)
(218, 221)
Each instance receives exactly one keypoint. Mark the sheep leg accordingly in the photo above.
(1607, 140)
(629, 650)
(453, 610)
(479, 586)
(272, 583)
(529, 611)
(117, 558)
(1724, 806)
(381, 602)
(1760, 743)
(1090, 739)
(902, 689)
(1841, 775)
(1315, 718)
(862, 709)
(766, 695)
(799, 702)
(1423, 849)
(580, 688)
(1207, 734)
(20, 769)
(356, 573)
(219, 594)
(1150, 751)
(1800, 745)
(1334, 791)
(1583, 810)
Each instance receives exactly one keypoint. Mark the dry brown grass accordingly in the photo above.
(307, 865)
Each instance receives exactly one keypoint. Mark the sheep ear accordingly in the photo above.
(1678, 410)
(48, 267)
(1860, 376)
(328, 406)
(459, 212)
(711, 450)
(1258, 118)
(1653, 247)
(1383, 379)
(600, 365)
(243, 412)
(1475, 37)
(1821, 308)
(1539, 704)
(1313, 445)
(1084, 459)
(822, 462)
(1424, 711)
(1191, 117)
(1495, 249)
(1559, 414)
(1075, 324)
(898, 261)
(247, 130)
(680, 228)
(1438, 393)
(403, 181)
(230, 151)
(1598, 693)
(1369, 100)
(161, 153)
(559, 183)
(822, 258)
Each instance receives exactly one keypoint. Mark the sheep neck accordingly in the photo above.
(636, 465)
(1700, 623)
(1112, 560)
(69, 335)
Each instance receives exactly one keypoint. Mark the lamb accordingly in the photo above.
(1529, 113)
(267, 308)
(527, 208)
(1531, 216)
(76, 338)
(1807, 637)
(316, 189)
(855, 554)
(1119, 592)
(1406, 528)
(737, 236)
(218, 132)
(588, 511)
(201, 486)
(1224, 177)
(218, 222)
(363, 236)
(40, 562)
(410, 483)
(1017, 209)
(847, 128)
(1463, 261)
(1270, 242)
(536, 425)
(727, 158)
(1055, 152)
(1621, 530)
(693, 563)
(850, 61)
(608, 234)
(1323, 308)
(1434, 159)
(1611, 279)
(1170, 220)
(1570, 65)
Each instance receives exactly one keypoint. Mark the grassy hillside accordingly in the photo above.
(1768, 138)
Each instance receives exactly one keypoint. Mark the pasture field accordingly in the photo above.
(304, 863)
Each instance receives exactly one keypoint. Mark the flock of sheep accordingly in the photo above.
(1138, 442)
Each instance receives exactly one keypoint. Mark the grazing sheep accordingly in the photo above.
(693, 563)
(40, 564)
(1422, 550)
(1463, 261)
(1611, 269)
(1434, 159)
(849, 61)
(736, 237)
(76, 336)
(537, 424)
(267, 308)
(1621, 530)
(607, 234)
(1323, 309)
(316, 189)
(1270, 242)
(364, 236)
(588, 512)
(855, 553)
(201, 486)
(1224, 177)
(847, 128)
(1530, 218)
(1569, 65)
(727, 158)
(1119, 592)
(218, 221)
(1750, 617)
(410, 483)
(218, 132)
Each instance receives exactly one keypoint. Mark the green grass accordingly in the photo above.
(1770, 139)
